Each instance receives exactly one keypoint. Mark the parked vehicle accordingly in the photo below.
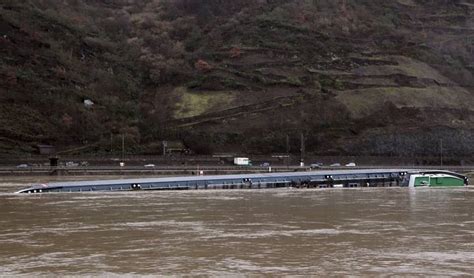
(316, 165)
(242, 161)
(352, 164)
(71, 164)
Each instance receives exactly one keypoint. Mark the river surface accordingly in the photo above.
(318, 232)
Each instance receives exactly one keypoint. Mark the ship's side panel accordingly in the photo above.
(446, 181)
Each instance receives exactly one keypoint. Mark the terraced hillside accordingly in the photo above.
(355, 76)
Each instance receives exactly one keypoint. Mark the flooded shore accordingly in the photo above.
(364, 231)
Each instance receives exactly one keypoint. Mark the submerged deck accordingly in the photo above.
(313, 179)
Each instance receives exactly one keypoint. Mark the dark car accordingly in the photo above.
(315, 165)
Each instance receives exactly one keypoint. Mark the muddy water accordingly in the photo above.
(288, 232)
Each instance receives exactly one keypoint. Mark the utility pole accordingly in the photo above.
(164, 145)
(123, 147)
(302, 150)
(287, 150)
(441, 152)
(111, 143)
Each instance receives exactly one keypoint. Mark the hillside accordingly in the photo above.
(357, 77)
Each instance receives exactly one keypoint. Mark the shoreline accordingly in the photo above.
(194, 170)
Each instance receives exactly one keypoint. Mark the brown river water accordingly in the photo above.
(337, 232)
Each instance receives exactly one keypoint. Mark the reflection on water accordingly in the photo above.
(328, 231)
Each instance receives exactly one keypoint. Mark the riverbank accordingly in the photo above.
(226, 160)
(192, 170)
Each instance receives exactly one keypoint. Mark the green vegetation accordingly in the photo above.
(294, 81)
(330, 83)
(197, 103)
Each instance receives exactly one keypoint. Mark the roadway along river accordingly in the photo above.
(325, 231)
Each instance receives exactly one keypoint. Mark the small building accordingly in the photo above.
(46, 149)
(88, 103)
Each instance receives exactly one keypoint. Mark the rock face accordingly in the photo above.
(357, 77)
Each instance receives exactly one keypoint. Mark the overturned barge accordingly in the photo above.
(314, 179)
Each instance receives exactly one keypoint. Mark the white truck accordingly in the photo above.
(242, 161)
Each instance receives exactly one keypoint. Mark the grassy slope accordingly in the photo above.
(339, 71)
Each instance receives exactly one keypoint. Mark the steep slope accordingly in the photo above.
(49, 66)
(355, 76)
